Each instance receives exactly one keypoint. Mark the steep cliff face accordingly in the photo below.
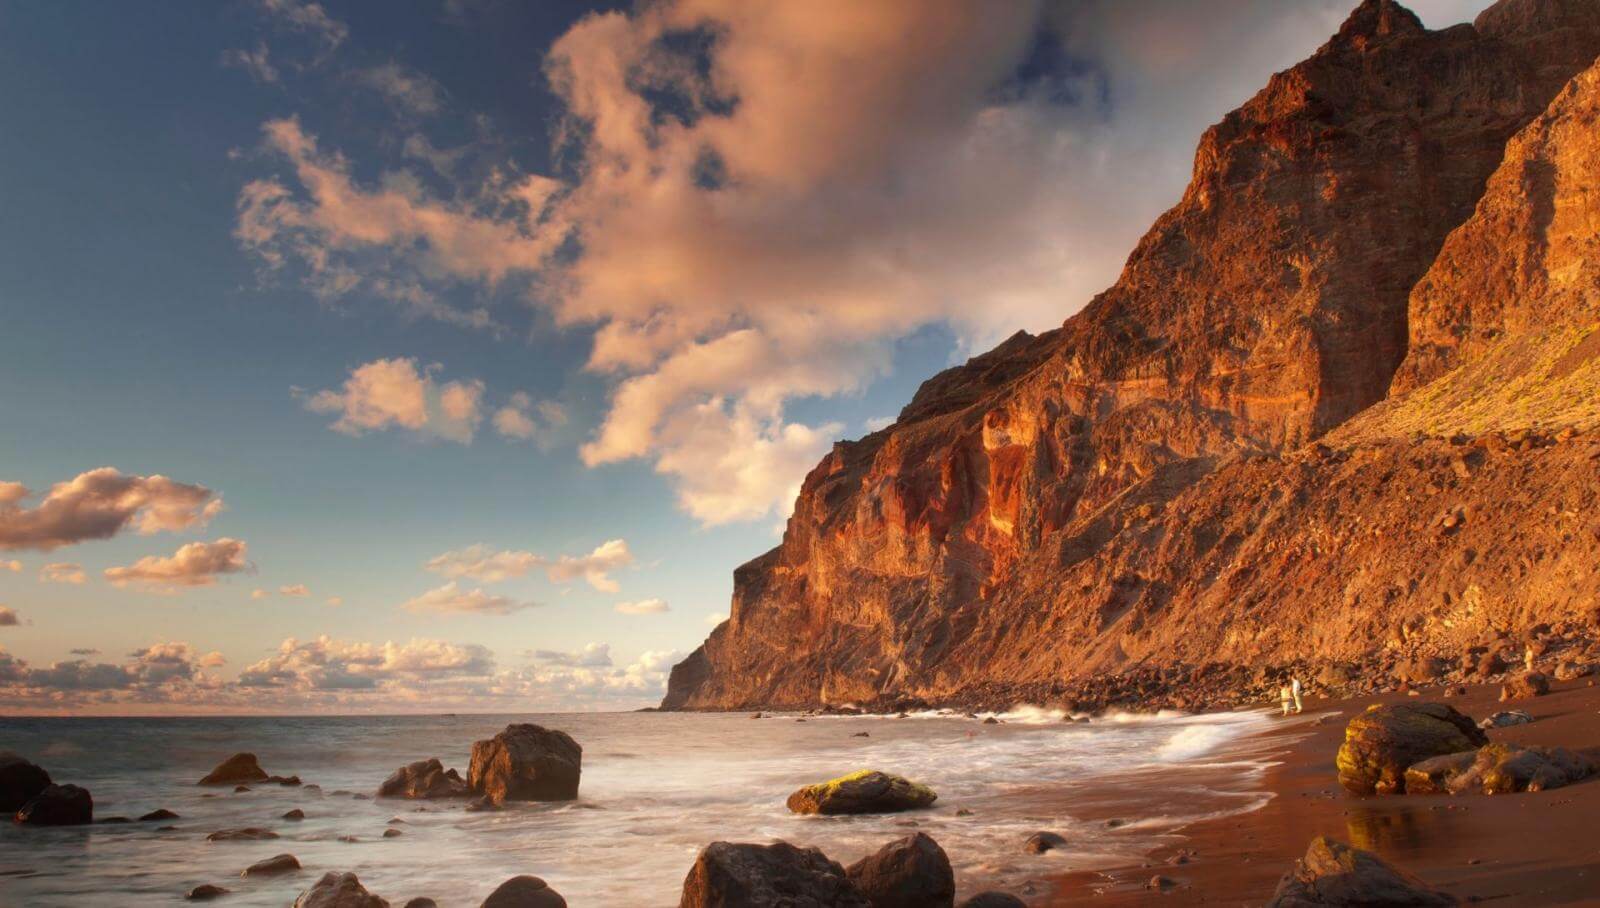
(1135, 488)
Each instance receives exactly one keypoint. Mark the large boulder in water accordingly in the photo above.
(1333, 873)
(526, 763)
(20, 781)
(867, 791)
(524, 892)
(57, 805)
(234, 770)
(339, 890)
(1381, 743)
(913, 872)
(729, 875)
(1499, 769)
(994, 900)
(424, 779)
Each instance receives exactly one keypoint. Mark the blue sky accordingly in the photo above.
(684, 337)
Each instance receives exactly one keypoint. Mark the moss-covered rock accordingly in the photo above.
(866, 791)
(1383, 742)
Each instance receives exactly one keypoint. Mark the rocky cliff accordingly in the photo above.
(1334, 409)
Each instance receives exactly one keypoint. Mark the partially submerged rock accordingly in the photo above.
(245, 834)
(234, 770)
(1499, 769)
(526, 763)
(205, 892)
(866, 791)
(273, 866)
(913, 872)
(729, 875)
(424, 779)
(1333, 873)
(57, 805)
(1525, 686)
(1383, 742)
(339, 890)
(20, 781)
(1040, 842)
(160, 813)
(524, 892)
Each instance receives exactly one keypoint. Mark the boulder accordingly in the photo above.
(339, 890)
(1423, 670)
(867, 791)
(729, 875)
(1381, 743)
(424, 779)
(205, 892)
(295, 815)
(273, 866)
(526, 763)
(1506, 719)
(422, 902)
(237, 768)
(20, 781)
(1333, 873)
(994, 900)
(524, 892)
(913, 872)
(245, 834)
(160, 813)
(1525, 686)
(57, 805)
(1500, 769)
(1490, 663)
(1040, 842)
(1571, 670)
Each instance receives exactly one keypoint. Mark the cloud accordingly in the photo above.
(643, 607)
(335, 601)
(62, 572)
(195, 564)
(99, 504)
(593, 655)
(85, 651)
(259, 594)
(8, 617)
(716, 618)
(294, 589)
(876, 423)
(479, 562)
(256, 62)
(522, 419)
(449, 599)
(12, 566)
(148, 670)
(395, 393)
(329, 664)
(310, 18)
(409, 90)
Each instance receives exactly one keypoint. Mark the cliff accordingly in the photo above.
(1333, 410)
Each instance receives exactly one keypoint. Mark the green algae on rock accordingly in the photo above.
(865, 791)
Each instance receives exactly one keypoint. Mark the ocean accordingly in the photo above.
(656, 788)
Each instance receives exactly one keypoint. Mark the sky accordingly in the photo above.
(450, 355)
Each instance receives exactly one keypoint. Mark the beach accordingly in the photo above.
(1514, 849)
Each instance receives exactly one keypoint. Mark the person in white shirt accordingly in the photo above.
(1294, 688)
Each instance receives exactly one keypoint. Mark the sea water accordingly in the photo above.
(656, 788)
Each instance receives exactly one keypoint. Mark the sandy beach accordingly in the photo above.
(1520, 849)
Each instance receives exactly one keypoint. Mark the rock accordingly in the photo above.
(160, 813)
(867, 791)
(294, 815)
(1505, 719)
(1333, 873)
(273, 866)
(57, 805)
(1500, 769)
(245, 834)
(285, 781)
(205, 892)
(1040, 842)
(994, 900)
(113, 820)
(1490, 663)
(339, 890)
(524, 892)
(728, 875)
(237, 768)
(1423, 670)
(240, 789)
(1525, 686)
(913, 872)
(424, 779)
(1570, 670)
(20, 781)
(421, 903)
(1159, 883)
(482, 803)
(1381, 743)
(526, 763)
(392, 833)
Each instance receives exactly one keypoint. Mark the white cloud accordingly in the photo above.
(195, 564)
(329, 664)
(294, 589)
(62, 572)
(99, 504)
(258, 62)
(716, 618)
(479, 562)
(593, 655)
(396, 393)
(412, 91)
(452, 599)
(643, 607)
(335, 601)
(311, 18)
(259, 594)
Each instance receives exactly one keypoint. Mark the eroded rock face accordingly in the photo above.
(1032, 516)
(913, 872)
(1499, 769)
(339, 890)
(1333, 873)
(526, 763)
(20, 781)
(57, 805)
(867, 791)
(1383, 742)
(728, 875)
(235, 770)
(424, 779)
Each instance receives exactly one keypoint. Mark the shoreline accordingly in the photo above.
(1518, 849)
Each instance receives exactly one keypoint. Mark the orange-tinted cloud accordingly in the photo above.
(195, 564)
(99, 504)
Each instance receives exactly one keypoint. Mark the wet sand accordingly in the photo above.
(1522, 849)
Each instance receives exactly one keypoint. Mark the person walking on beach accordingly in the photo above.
(1294, 687)
(1286, 696)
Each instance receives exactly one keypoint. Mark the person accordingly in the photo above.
(1286, 697)
(1294, 687)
